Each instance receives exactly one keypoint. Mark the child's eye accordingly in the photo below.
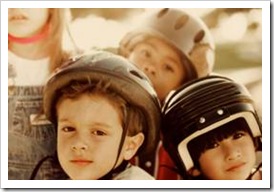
(68, 129)
(212, 145)
(238, 135)
(145, 53)
(168, 68)
(98, 133)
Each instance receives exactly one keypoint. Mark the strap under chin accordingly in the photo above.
(113, 172)
(37, 167)
(254, 172)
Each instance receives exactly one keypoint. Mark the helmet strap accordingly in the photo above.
(113, 172)
(54, 160)
(123, 165)
(254, 172)
(190, 70)
(33, 39)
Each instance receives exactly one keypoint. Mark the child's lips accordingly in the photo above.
(235, 167)
(17, 18)
(82, 162)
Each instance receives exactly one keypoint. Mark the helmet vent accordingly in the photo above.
(199, 36)
(135, 73)
(181, 21)
(162, 12)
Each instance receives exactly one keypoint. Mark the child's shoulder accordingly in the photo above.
(133, 173)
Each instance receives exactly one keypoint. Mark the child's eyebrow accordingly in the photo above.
(93, 124)
(63, 120)
(100, 124)
(151, 45)
(170, 58)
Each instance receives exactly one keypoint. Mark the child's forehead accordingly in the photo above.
(152, 40)
(88, 105)
(90, 96)
(156, 42)
(228, 129)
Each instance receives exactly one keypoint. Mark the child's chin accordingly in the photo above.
(82, 177)
(238, 177)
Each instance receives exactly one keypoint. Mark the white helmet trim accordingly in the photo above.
(182, 147)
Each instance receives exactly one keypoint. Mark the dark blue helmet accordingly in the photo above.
(125, 79)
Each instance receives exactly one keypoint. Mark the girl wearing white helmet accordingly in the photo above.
(172, 47)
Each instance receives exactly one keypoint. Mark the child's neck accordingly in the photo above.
(33, 51)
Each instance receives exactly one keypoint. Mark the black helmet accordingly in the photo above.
(199, 107)
(125, 79)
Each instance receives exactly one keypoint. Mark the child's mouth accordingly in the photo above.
(18, 18)
(81, 162)
(236, 167)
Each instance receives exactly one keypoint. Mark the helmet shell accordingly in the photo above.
(124, 78)
(199, 107)
(187, 32)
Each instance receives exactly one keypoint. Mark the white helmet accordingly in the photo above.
(186, 32)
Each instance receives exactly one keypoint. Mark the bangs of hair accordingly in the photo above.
(131, 116)
(200, 144)
(77, 88)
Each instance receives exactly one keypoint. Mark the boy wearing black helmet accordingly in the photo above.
(106, 112)
(212, 131)
(226, 153)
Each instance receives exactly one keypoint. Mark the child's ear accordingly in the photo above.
(194, 172)
(132, 144)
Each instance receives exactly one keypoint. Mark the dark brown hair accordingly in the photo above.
(131, 117)
(204, 142)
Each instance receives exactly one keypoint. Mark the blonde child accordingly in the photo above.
(35, 49)
(212, 131)
(172, 47)
(106, 112)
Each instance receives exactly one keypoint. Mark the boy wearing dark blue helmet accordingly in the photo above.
(106, 112)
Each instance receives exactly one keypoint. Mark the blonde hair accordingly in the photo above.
(132, 39)
(57, 21)
(58, 25)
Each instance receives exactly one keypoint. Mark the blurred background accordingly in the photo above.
(237, 33)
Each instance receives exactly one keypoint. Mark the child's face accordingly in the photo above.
(88, 136)
(231, 159)
(27, 22)
(161, 63)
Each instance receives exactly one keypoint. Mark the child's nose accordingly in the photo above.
(149, 67)
(232, 152)
(79, 145)
(79, 148)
